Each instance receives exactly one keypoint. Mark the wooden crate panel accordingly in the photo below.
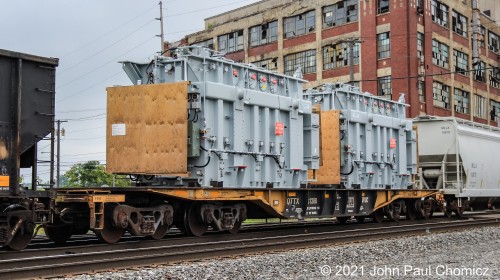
(147, 129)
(329, 171)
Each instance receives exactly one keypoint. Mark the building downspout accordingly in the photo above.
(475, 50)
(408, 61)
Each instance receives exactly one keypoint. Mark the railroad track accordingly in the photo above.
(88, 259)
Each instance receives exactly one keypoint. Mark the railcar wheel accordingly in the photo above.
(109, 234)
(21, 240)
(448, 213)
(194, 224)
(378, 216)
(393, 211)
(180, 219)
(163, 227)
(411, 212)
(459, 212)
(236, 228)
(423, 209)
(24, 234)
(343, 220)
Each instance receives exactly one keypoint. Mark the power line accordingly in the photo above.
(85, 139)
(83, 130)
(110, 32)
(82, 110)
(109, 77)
(102, 50)
(86, 154)
(110, 61)
(86, 118)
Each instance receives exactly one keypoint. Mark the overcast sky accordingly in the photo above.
(90, 37)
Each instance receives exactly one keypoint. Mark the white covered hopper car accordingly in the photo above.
(461, 158)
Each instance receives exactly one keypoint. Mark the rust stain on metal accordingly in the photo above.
(3, 150)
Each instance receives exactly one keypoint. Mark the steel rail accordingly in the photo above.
(90, 243)
(166, 251)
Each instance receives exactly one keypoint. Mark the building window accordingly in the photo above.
(300, 24)
(459, 24)
(461, 101)
(420, 6)
(493, 42)
(440, 54)
(383, 45)
(420, 56)
(441, 95)
(263, 34)
(306, 60)
(385, 87)
(461, 62)
(231, 42)
(481, 38)
(340, 13)
(421, 90)
(420, 47)
(270, 64)
(494, 76)
(479, 106)
(337, 55)
(494, 110)
(480, 71)
(207, 44)
(439, 13)
(382, 6)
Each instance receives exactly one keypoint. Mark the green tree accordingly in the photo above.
(63, 181)
(93, 174)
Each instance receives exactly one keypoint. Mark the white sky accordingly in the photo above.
(90, 37)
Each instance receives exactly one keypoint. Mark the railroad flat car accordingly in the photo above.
(27, 90)
(210, 143)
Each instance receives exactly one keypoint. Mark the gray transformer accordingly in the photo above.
(248, 127)
(378, 144)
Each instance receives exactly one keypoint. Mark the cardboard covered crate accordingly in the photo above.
(146, 131)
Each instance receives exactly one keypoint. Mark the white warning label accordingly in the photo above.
(118, 129)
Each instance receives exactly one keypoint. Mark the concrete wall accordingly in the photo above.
(490, 5)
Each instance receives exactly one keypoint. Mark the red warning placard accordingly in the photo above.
(393, 143)
(279, 129)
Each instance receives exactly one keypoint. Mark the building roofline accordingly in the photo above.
(237, 9)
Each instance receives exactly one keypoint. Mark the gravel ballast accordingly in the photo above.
(469, 254)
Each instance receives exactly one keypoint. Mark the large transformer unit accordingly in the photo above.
(240, 126)
(27, 94)
(377, 142)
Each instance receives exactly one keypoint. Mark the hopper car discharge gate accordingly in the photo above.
(210, 143)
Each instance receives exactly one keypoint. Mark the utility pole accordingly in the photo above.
(162, 35)
(351, 42)
(59, 152)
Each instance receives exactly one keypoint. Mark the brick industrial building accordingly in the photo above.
(427, 49)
